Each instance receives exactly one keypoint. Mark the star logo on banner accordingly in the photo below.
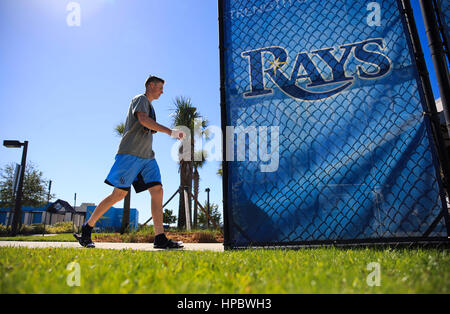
(276, 64)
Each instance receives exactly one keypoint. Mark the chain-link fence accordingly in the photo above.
(327, 138)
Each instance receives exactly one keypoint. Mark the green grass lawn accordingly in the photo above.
(326, 270)
(144, 236)
(63, 237)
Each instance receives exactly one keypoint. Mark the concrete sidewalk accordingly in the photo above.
(217, 247)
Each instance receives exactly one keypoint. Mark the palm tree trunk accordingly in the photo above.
(126, 214)
(181, 211)
(185, 180)
(196, 178)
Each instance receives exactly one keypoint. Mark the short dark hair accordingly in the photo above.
(153, 79)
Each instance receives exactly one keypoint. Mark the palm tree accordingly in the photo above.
(185, 114)
(125, 228)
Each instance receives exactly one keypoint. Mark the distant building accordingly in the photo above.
(32, 215)
(110, 221)
(82, 209)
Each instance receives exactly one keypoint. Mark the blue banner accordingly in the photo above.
(326, 136)
(112, 219)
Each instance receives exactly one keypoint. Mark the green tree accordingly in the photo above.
(35, 187)
(168, 217)
(214, 214)
(125, 228)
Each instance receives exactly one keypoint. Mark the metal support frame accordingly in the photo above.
(436, 46)
(439, 145)
(204, 211)
(174, 194)
(186, 192)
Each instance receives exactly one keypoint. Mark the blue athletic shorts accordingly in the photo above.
(131, 170)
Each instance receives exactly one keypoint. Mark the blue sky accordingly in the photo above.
(65, 88)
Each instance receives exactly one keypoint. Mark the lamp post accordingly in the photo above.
(18, 205)
(207, 190)
(48, 203)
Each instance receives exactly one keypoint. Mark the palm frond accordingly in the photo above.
(184, 113)
(119, 129)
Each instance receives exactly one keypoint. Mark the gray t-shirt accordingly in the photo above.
(137, 140)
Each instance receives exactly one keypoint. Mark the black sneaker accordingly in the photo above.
(166, 244)
(85, 238)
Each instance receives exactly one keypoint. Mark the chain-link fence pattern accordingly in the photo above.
(324, 97)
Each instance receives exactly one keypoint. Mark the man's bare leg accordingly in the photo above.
(116, 196)
(161, 241)
(156, 193)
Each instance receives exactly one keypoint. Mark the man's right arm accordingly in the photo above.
(151, 124)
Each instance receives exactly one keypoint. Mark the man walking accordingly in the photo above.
(135, 165)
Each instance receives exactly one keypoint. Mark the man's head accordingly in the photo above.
(154, 87)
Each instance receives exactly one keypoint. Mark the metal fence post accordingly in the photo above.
(186, 207)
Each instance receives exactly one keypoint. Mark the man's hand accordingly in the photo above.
(178, 134)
